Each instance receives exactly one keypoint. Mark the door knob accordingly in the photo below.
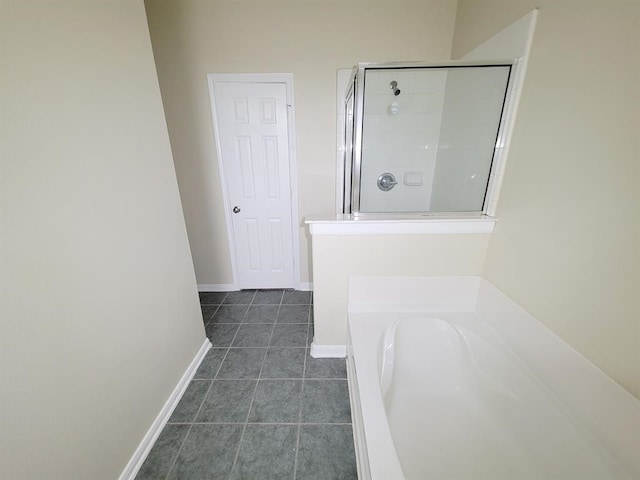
(236, 209)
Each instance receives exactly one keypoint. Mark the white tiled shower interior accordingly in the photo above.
(437, 137)
(403, 143)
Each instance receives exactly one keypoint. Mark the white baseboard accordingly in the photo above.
(140, 454)
(306, 286)
(328, 351)
(217, 287)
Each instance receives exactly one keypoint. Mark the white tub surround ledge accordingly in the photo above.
(398, 224)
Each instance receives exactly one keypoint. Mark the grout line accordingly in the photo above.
(216, 303)
(246, 312)
(304, 369)
(244, 429)
(253, 397)
(304, 372)
(215, 376)
(262, 323)
(274, 346)
(246, 423)
(228, 349)
(319, 379)
(184, 440)
(263, 423)
(192, 423)
(212, 315)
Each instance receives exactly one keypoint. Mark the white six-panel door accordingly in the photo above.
(252, 131)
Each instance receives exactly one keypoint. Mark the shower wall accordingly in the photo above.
(403, 143)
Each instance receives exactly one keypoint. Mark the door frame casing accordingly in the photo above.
(257, 78)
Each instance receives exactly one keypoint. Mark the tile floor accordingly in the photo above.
(259, 406)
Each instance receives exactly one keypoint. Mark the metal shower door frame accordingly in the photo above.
(358, 83)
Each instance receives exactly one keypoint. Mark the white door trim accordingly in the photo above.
(287, 80)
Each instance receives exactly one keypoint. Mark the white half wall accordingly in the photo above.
(337, 258)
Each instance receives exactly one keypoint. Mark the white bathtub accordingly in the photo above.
(465, 385)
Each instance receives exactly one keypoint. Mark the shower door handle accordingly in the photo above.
(236, 209)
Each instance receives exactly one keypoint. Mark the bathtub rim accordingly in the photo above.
(376, 455)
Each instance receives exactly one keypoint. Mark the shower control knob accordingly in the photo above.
(386, 181)
(236, 209)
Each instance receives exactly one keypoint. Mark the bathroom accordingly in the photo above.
(547, 193)
(548, 251)
(564, 246)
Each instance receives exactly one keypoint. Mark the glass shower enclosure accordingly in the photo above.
(421, 138)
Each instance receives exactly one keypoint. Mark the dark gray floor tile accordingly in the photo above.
(326, 452)
(163, 453)
(325, 368)
(291, 335)
(207, 312)
(210, 363)
(266, 452)
(296, 297)
(268, 297)
(221, 334)
(242, 363)
(228, 401)
(276, 401)
(283, 363)
(310, 334)
(326, 401)
(241, 297)
(253, 335)
(190, 402)
(208, 452)
(212, 298)
(293, 314)
(230, 314)
(261, 314)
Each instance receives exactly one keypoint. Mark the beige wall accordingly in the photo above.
(567, 246)
(336, 258)
(99, 311)
(309, 39)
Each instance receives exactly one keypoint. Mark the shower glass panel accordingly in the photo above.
(423, 137)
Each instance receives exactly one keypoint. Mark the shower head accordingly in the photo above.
(394, 86)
